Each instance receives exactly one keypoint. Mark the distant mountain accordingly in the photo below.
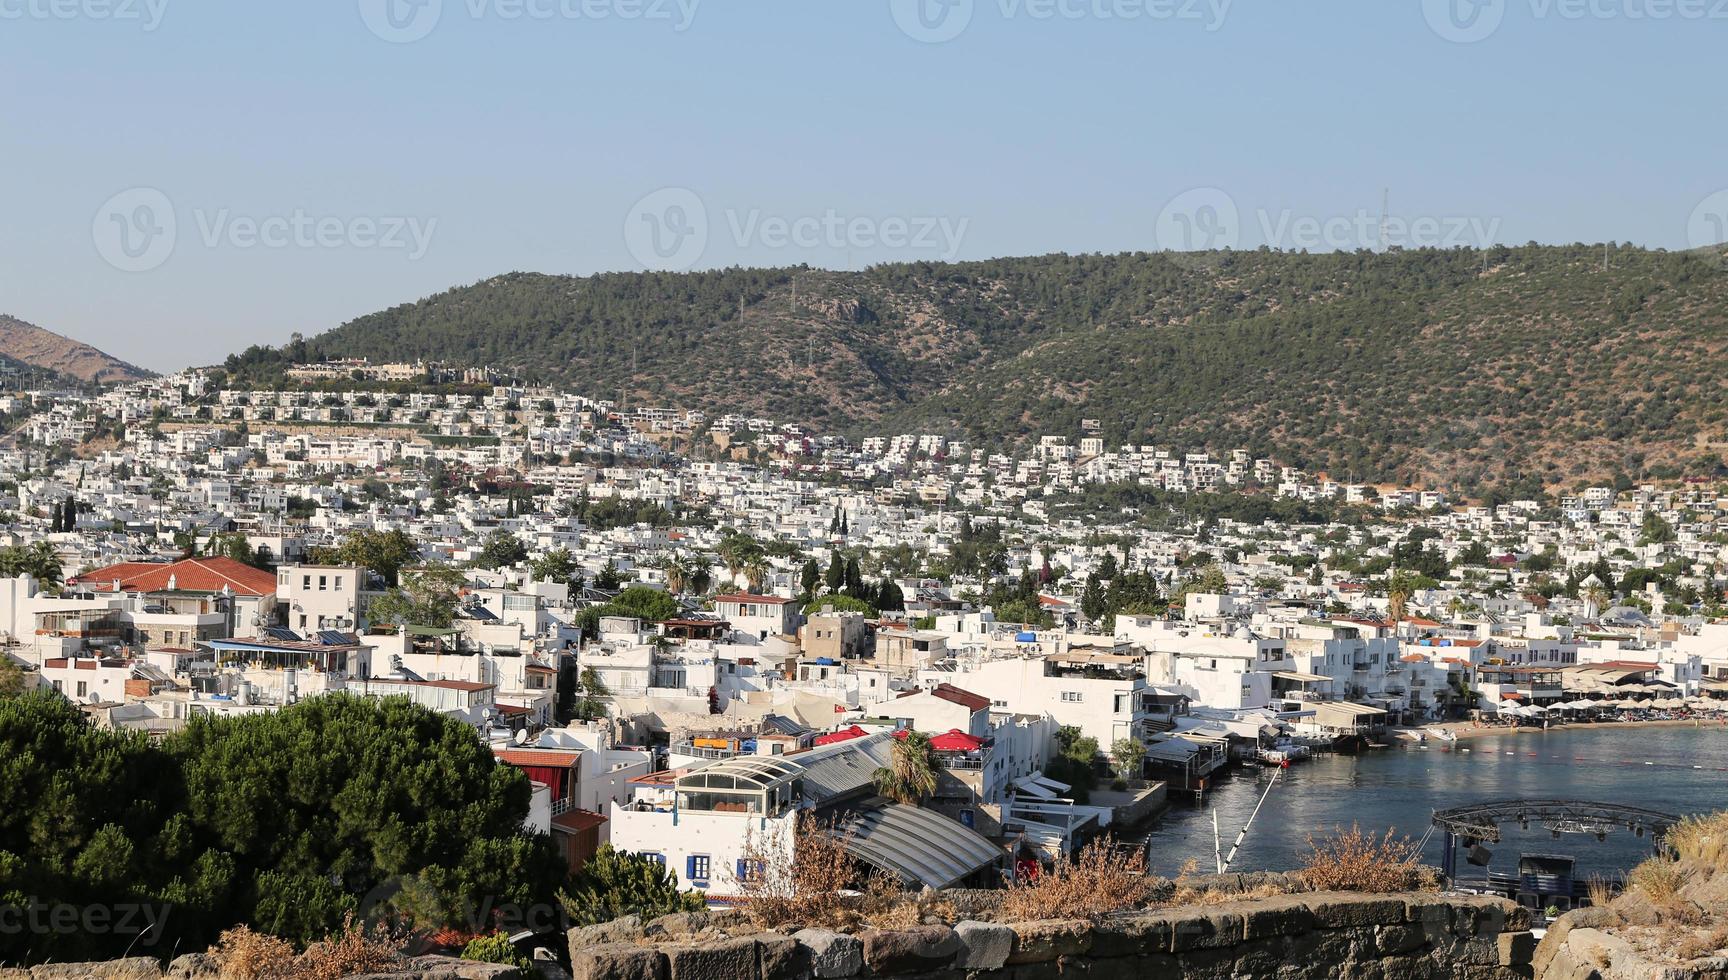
(29, 344)
(1463, 368)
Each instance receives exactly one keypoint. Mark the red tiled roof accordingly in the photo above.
(577, 820)
(190, 575)
(948, 692)
(745, 597)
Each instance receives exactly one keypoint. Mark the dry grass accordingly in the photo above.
(1601, 891)
(1100, 882)
(814, 882)
(1658, 881)
(1701, 840)
(242, 954)
(1352, 861)
(1698, 944)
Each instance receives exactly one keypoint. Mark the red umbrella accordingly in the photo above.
(844, 735)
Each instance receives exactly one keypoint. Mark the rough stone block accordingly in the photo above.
(1517, 948)
(625, 930)
(134, 968)
(781, 957)
(1206, 929)
(722, 959)
(1042, 942)
(617, 961)
(678, 924)
(453, 968)
(984, 945)
(1134, 934)
(1284, 915)
(831, 954)
(1341, 910)
(192, 966)
(917, 950)
(1396, 940)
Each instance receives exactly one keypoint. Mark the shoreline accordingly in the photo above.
(1464, 730)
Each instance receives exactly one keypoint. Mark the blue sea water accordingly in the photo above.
(1674, 770)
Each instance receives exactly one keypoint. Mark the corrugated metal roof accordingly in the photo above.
(920, 846)
(844, 768)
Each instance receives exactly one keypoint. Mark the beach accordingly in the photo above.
(1467, 729)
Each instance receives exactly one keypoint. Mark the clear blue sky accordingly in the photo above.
(815, 131)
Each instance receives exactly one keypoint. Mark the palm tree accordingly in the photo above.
(756, 572)
(910, 775)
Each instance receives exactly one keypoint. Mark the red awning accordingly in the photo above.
(956, 740)
(844, 735)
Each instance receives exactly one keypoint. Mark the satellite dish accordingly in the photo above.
(521, 736)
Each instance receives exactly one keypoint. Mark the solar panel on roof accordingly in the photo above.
(332, 638)
(281, 633)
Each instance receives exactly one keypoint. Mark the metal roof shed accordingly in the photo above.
(919, 846)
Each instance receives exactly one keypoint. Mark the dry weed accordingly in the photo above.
(810, 882)
(1100, 882)
(1351, 860)
(242, 954)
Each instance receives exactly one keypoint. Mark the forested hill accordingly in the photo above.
(1457, 367)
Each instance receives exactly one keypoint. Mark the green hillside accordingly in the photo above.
(1458, 367)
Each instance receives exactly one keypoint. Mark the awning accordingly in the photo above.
(919, 846)
(955, 740)
(844, 735)
(1299, 677)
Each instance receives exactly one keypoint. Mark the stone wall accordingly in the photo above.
(197, 966)
(1291, 937)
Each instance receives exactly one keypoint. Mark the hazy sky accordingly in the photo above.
(186, 177)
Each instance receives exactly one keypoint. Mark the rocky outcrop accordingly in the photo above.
(1296, 936)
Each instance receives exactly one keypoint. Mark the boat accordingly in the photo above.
(1441, 734)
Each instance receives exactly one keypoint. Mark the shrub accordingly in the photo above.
(495, 948)
(242, 954)
(1353, 861)
(1099, 882)
(616, 883)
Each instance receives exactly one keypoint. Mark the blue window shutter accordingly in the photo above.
(690, 868)
(743, 873)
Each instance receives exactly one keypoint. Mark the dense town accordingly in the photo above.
(668, 620)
